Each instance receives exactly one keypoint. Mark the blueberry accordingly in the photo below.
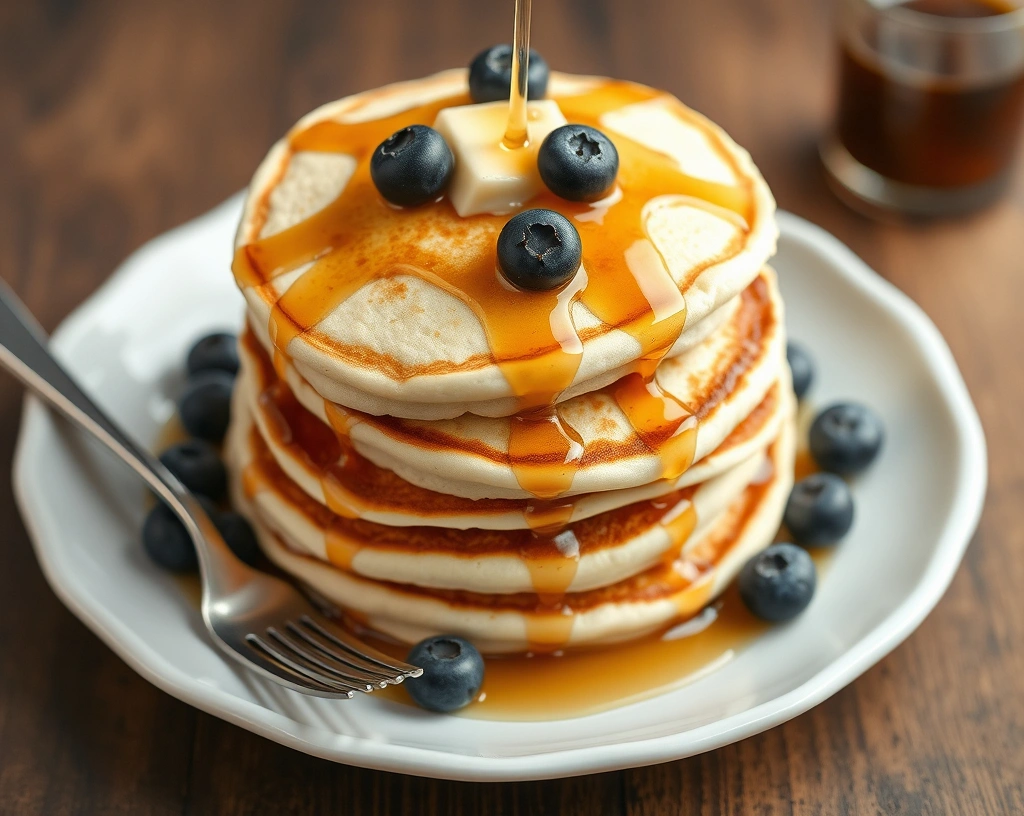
(802, 365)
(538, 250)
(490, 75)
(167, 542)
(215, 351)
(453, 671)
(777, 584)
(412, 166)
(205, 405)
(239, 536)
(845, 438)
(819, 510)
(198, 467)
(578, 162)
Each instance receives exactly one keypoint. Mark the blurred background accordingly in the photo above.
(120, 119)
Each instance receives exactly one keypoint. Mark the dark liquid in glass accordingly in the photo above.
(942, 132)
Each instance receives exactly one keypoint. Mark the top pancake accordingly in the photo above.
(401, 312)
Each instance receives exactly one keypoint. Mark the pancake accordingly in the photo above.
(622, 436)
(401, 313)
(595, 552)
(665, 594)
(333, 473)
(436, 451)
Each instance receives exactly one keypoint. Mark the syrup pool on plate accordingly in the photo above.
(583, 682)
(578, 683)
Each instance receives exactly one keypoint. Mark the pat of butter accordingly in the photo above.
(490, 178)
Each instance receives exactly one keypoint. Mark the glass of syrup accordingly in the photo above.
(931, 100)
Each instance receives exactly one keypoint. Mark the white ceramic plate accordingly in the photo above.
(916, 511)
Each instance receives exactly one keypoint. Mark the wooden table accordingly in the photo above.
(120, 119)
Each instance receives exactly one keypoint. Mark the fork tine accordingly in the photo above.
(363, 667)
(307, 675)
(271, 663)
(361, 650)
(298, 657)
(266, 663)
(314, 661)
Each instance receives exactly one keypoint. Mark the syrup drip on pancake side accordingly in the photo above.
(552, 552)
(369, 487)
(686, 583)
(625, 283)
(318, 445)
(551, 558)
(666, 427)
(680, 520)
(584, 681)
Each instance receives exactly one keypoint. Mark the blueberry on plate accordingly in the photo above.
(198, 467)
(215, 351)
(412, 166)
(490, 75)
(578, 162)
(819, 510)
(453, 672)
(802, 365)
(778, 584)
(166, 541)
(845, 438)
(238, 535)
(539, 250)
(205, 405)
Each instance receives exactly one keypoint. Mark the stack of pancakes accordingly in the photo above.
(439, 453)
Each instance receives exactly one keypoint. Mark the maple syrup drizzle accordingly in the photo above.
(675, 512)
(680, 522)
(544, 451)
(551, 554)
(554, 555)
(586, 680)
(358, 239)
(292, 426)
(254, 480)
(583, 681)
(341, 549)
(321, 448)
(665, 426)
(549, 626)
(516, 134)
(280, 363)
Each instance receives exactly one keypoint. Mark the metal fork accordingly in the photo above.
(260, 621)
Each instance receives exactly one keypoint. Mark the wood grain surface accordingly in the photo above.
(122, 118)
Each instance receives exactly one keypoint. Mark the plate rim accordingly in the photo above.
(943, 563)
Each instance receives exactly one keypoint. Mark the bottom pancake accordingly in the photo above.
(671, 591)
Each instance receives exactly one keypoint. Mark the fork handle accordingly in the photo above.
(25, 353)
